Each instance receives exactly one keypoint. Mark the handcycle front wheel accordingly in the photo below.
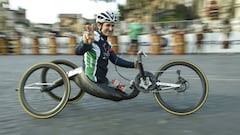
(76, 92)
(33, 92)
(192, 92)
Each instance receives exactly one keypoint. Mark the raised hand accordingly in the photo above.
(88, 35)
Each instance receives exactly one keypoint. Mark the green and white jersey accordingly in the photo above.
(96, 57)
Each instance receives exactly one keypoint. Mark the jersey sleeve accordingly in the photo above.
(81, 48)
(119, 61)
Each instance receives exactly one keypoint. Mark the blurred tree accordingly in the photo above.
(105, 0)
(181, 12)
(232, 9)
(122, 12)
(157, 12)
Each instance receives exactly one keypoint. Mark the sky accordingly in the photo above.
(47, 11)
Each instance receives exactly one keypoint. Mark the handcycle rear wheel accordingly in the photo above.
(33, 95)
(192, 93)
(76, 92)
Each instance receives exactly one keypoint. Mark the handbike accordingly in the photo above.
(179, 87)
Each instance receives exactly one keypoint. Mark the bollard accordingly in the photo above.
(114, 42)
(17, 49)
(199, 41)
(72, 44)
(226, 44)
(52, 46)
(35, 46)
(155, 47)
(179, 47)
(3, 46)
(133, 48)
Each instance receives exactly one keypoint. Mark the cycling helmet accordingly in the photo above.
(106, 16)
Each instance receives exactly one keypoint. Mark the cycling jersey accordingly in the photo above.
(96, 56)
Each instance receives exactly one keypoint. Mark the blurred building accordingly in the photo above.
(149, 10)
(12, 20)
(67, 24)
(225, 8)
(214, 12)
(208, 11)
(71, 23)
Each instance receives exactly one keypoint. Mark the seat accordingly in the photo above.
(109, 93)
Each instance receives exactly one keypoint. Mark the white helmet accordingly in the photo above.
(106, 16)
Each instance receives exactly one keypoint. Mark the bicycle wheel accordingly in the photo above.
(192, 92)
(76, 92)
(33, 92)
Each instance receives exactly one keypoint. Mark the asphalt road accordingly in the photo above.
(139, 116)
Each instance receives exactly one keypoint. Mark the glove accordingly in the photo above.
(88, 36)
(136, 64)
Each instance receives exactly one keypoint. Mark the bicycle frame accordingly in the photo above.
(145, 80)
(158, 84)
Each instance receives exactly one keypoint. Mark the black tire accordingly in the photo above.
(76, 92)
(37, 102)
(191, 96)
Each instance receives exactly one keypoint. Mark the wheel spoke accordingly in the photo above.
(182, 87)
(33, 99)
(76, 92)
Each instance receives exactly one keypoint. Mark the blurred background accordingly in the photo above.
(217, 18)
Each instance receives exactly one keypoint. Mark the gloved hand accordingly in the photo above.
(88, 35)
(136, 64)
